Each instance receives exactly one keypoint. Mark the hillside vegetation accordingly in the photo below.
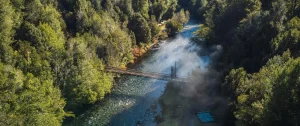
(53, 53)
(260, 40)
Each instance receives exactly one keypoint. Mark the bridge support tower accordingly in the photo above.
(174, 71)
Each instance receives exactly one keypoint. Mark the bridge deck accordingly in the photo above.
(158, 76)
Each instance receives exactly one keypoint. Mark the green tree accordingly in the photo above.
(88, 82)
(140, 27)
(141, 6)
(252, 94)
(9, 21)
(25, 100)
(283, 108)
(288, 38)
(158, 9)
(153, 24)
(177, 22)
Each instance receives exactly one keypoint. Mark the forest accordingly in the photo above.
(53, 53)
(260, 60)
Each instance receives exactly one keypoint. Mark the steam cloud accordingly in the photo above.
(204, 83)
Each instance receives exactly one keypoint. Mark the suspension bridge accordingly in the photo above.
(160, 76)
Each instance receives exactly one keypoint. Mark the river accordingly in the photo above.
(134, 100)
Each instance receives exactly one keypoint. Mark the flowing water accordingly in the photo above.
(134, 100)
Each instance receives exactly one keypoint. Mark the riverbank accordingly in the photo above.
(141, 51)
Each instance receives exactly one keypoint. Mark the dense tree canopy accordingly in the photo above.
(256, 29)
(262, 86)
(29, 100)
(268, 97)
